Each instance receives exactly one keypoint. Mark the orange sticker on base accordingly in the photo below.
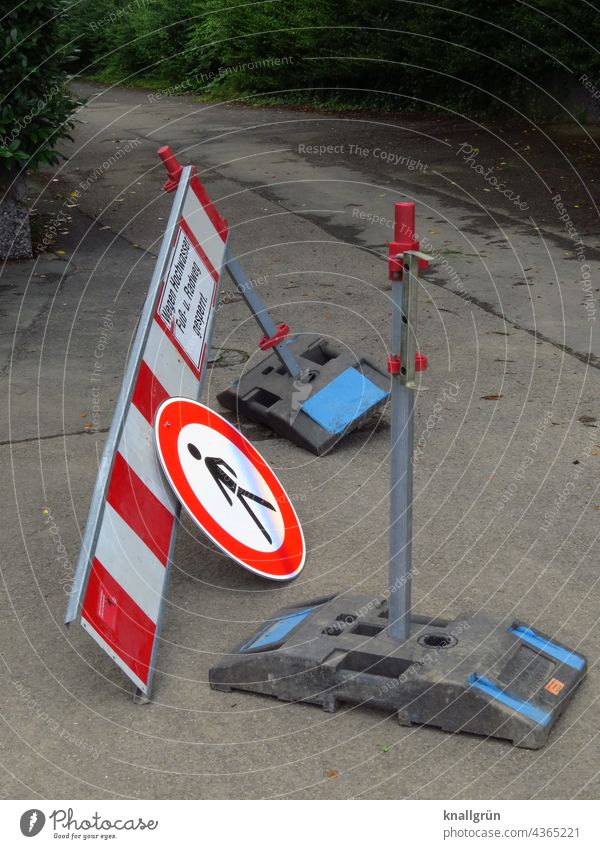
(554, 686)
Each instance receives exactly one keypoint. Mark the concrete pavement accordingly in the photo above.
(507, 510)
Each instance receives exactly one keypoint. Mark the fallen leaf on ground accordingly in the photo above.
(331, 773)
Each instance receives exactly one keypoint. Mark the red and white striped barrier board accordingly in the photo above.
(229, 490)
(121, 576)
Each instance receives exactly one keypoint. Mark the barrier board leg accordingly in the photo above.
(141, 698)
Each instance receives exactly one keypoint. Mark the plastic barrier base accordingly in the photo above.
(336, 392)
(497, 678)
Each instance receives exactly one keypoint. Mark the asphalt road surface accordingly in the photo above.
(507, 507)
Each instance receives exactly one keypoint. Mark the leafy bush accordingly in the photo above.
(118, 39)
(152, 38)
(35, 108)
(86, 30)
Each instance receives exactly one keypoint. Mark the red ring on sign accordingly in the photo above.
(280, 565)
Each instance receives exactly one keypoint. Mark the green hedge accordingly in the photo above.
(458, 53)
(34, 105)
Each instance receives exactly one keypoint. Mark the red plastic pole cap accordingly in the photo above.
(420, 362)
(404, 222)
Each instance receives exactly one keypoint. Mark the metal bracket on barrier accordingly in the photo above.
(404, 322)
(475, 673)
(404, 240)
(174, 168)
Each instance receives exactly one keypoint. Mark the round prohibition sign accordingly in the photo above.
(228, 489)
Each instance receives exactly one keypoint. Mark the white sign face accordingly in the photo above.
(186, 302)
(223, 477)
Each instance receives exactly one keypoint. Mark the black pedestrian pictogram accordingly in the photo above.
(222, 475)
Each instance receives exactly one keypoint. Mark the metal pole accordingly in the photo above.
(404, 362)
(258, 309)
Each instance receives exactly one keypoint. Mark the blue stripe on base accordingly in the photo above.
(557, 652)
(276, 631)
(348, 397)
(526, 708)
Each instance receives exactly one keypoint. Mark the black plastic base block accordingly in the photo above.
(497, 678)
(337, 392)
